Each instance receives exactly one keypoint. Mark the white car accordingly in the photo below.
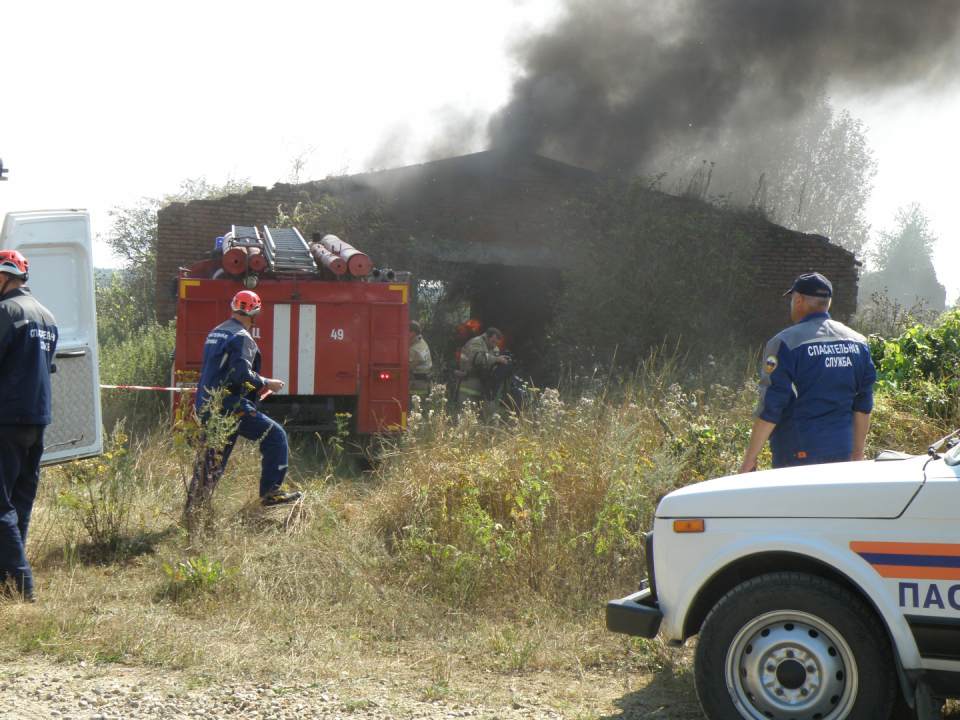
(818, 593)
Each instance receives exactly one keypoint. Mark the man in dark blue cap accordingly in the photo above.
(816, 389)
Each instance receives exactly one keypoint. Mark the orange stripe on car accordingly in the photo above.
(895, 548)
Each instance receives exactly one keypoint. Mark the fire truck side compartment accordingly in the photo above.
(340, 347)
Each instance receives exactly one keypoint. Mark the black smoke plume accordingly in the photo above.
(614, 81)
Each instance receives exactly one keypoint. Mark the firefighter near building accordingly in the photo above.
(421, 364)
(334, 328)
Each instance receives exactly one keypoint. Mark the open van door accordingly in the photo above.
(59, 249)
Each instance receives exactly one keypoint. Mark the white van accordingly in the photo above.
(59, 249)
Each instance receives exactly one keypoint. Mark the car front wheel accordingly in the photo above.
(792, 646)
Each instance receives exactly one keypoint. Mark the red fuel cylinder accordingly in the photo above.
(324, 257)
(333, 243)
(235, 260)
(257, 260)
(358, 264)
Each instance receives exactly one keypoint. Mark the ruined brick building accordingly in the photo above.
(491, 211)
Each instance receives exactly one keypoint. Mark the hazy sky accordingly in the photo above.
(916, 143)
(106, 102)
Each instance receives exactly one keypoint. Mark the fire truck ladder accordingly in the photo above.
(245, 236)
(287, 250)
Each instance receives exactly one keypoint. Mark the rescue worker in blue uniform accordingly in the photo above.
(816, 389)
(231, 360)
(28, 341)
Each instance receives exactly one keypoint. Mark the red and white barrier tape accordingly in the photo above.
(170, 389)
(143, 387)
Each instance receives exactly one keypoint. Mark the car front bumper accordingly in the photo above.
(638, 615)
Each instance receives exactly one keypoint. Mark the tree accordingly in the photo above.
(901, 262)
(126, 298)
(812, 174)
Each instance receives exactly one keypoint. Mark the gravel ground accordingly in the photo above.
(35, 689)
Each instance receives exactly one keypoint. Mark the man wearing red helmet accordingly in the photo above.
(28, 341)
(231, 360)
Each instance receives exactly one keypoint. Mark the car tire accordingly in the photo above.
(792, 646)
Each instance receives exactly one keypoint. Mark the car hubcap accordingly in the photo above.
(789, 665)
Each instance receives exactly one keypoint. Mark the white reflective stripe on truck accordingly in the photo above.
(307, 351)
(281, 347)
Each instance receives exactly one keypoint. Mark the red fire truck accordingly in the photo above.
(332, 328)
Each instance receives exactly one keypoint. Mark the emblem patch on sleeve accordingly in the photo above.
(770, 364)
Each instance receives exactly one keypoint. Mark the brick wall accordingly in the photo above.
(782, 255)
(185, 231)
(489, 197)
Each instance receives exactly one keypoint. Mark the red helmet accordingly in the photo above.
(13, 263)
(246, 303)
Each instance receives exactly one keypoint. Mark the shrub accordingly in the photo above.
(193, 442)
(99, 492)
(553, 504)
(924, 361)
(141, 358)
(888, 318)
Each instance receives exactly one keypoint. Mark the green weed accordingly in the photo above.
(924, 362)
(100, 493)
(199, 573)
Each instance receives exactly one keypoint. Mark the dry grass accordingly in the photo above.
(315, 592)
(471, 549)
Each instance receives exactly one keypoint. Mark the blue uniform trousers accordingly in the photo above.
(254, 425)
(20, 449)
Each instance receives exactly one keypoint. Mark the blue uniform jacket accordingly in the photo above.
(231, 359)
(28, 341)
(815, 375)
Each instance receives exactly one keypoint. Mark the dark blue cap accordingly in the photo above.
(813, 284)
